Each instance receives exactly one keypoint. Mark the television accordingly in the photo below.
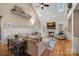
(51, 25)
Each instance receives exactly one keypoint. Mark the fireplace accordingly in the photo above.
(51, 28)
(51, 33)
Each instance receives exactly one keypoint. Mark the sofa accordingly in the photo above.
(36, 48)
(35, 45)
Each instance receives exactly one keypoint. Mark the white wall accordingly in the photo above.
(8, 17)
(76, 32)
(51, 13)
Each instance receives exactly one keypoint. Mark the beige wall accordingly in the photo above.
(10, 18)
(76, 24)
(70, 25)
(76, 31)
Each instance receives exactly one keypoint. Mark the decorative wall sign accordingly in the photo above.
(18, 10)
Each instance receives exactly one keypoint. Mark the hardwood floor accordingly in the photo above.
(62, 48)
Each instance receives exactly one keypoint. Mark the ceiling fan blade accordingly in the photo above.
(46, 5)
(42, 3)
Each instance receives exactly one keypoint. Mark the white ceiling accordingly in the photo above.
(51, 13)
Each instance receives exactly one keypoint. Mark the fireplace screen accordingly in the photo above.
(51, 25)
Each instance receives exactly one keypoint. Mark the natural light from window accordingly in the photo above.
(61, 7)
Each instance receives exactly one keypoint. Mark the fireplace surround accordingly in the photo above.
(51, 28)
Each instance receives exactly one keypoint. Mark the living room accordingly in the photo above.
(39, 21)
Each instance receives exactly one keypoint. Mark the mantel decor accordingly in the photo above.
(18, 10)
(51, 25)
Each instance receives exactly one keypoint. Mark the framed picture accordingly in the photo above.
(15, 25)
(12, 26)
(8, 25)
(18, 25)
(21, 26)
(24, 26)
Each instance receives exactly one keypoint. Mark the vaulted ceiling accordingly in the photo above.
(51, 13)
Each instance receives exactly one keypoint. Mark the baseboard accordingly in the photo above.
(69, 36)
(75, 51)
(75, 45)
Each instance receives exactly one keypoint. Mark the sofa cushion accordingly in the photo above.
(37, 39)
(60, 33)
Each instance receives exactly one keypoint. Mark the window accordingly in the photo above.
(61, 7)
(39, 12)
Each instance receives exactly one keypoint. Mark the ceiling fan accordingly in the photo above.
(42, 5)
